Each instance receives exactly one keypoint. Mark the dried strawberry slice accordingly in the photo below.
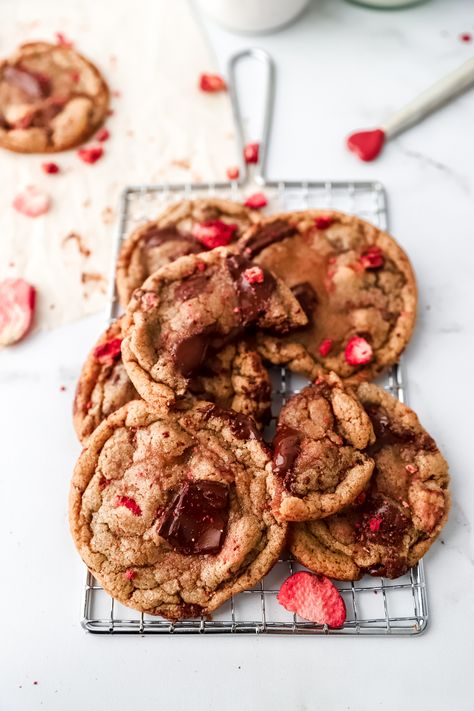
(314, 598)
(108, 352)
(358, 351)
(325, 347)
(17, 306)
(214, 233)
(50, 168)
(129, 504)
(372, 258)
(253, 275)
(251, 152)
(102, 135)
(90, 154)
(233, 172)
(323, 222)
(256, 201)
(212, 83)
(32, 202)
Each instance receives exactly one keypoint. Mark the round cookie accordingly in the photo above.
(396, 519)
(51, 99)
(235, 378)
(171, 513)
(192, 308)
(318, 461)
(353, 280)
(175, 233)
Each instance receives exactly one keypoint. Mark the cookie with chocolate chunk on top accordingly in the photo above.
(51, 99)
(354, 282)
(401, 512)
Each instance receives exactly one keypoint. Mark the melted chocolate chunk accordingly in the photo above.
(189, 354)
(286, 447)
(192, 287)
(34, 85)
(267, 235)
(382, 522)
(253, 298)
(307, 298)
(156, 236)
(197, 517)
(241, 426)
(384, 434)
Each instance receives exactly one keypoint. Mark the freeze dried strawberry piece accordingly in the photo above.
(102, 135)
(90, 154)
(465, 37)
(314, 598)
(50, 168)
(62, 40)
(233, 172)
(253, 275)
(106, 353)
(251, 152)
(358, 351)
(374, 523)
(32, 202)
(372, 259)
(325, 347)
(214, 233)
(411, 468)
(130, 574)
(323, 222)
(256, 201)
(75, 76)
(212, 83)
(129, 504)
(17, 306)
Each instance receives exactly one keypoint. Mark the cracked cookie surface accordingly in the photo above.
(171, 513)
(318, 461)
(400, 513)
(192, 308)
(355, 284)
(51, 99)
(173, 234)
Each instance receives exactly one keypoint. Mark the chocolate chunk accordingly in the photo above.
(307, 298)
(241, 426)
(34, 85)
(286, 444)
(268, 234)
(384, 434)
(189, 354)
(197, 517)
(156, 236)
(252, 297)
(382, 522)
(192, 287)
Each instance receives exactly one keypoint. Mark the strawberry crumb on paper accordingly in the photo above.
(465, 37)
(32, 202)
(233, 173)
(251, 152)
(17, 307)
(314, 598)
(212, 83)
(50, 168)
(91, 154)
(62, 40)
(102, 135)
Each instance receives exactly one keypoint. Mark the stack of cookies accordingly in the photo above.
(177, 502)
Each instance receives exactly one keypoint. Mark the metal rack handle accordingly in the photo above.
(268, 95)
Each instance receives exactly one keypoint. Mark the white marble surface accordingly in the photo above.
(339, 67)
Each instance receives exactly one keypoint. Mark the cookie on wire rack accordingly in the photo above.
(185, 227)
(51, 99)
(171, 513)
(401, 512)
(353, 280)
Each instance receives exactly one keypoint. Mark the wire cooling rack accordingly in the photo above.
(375, 606)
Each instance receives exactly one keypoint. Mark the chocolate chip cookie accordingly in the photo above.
(171, 513)
(51, 99)
(186, 227)
(234, 378)
(192, 308)
(355, 284)
(318, 462)
(397, 517)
